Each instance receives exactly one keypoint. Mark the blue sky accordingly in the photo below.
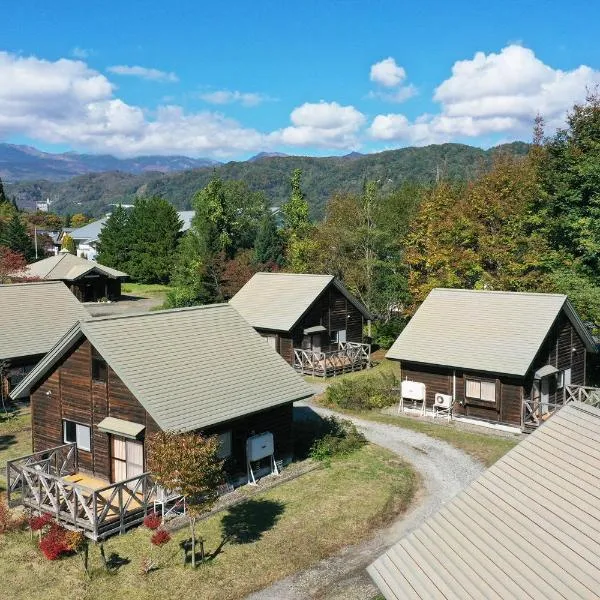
(227, 80)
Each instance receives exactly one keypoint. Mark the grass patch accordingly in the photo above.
(15, 438)
(275, 534)
(383, 366)
(484, 448)
(144, 289)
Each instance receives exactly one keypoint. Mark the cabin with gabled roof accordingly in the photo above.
(503, 357)
(33, 317)
(89, 281)
(313, 321)
(111, 382)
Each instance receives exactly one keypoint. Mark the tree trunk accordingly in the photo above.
(193, 531)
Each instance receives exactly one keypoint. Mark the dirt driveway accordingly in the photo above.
(127, 304)
(444, 470)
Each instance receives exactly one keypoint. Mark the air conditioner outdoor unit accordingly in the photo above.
(442, 400)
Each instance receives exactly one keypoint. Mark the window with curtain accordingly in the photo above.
(480, 390)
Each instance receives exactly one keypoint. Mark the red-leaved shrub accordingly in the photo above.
(160, 537)
(39, 522)
(152, 520)
(54, 542)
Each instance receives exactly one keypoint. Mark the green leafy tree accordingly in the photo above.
(68, 243)
(115, 240)
(154, 227)
(268, 247)
(14, 236)
(3, 197)
(296, 210)
(188, 463)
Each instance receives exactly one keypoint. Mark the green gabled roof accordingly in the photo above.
(34, 316)
(189, 368)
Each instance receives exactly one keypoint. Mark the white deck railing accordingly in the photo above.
(349, 356)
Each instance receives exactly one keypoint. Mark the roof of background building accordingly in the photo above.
(529, 527)
(278, 300)
(91, 231)
(34, 316)
(67, 267)
(189, 368)
(497, 332)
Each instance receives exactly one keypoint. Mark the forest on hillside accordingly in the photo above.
(93, 194)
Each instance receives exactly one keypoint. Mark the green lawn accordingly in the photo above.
(15, 439)
(144, 289)
(285, 529)
(380, 366)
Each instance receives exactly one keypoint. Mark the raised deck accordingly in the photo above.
(50, 482)
(348, 356)
(535, 412)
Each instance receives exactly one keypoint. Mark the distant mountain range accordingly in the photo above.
(18, 163)
(94, 193)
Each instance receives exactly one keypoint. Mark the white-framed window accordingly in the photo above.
(477, 389)
(563, 378)
(271, 340)
(338, 336)
(224, 445)
(75, 433)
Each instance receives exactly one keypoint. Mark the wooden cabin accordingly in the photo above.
(311, 320)
(33, 317)
(503, 357)
(89, 281)
(110, 383)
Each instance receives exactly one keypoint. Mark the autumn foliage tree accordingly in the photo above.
(188, 463)
(12, 264)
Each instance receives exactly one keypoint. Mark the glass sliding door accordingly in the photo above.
(127, 458)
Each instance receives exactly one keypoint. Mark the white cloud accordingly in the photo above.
(231, 97)
(387, 73)
(81, 53)
(402, 94)
(491, 94)
(322, 124)
(143, 73)
(66, 102)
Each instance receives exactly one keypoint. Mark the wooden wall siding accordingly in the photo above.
(277, 420)
(286, 348)
(507, 408)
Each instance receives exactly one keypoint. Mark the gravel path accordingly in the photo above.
(444, 471)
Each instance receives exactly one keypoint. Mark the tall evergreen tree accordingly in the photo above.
(3, 197)
(154, 229)
(114, 241)
(268, 247)
(15, 237)
(295, 210)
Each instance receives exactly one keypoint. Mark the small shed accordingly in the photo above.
(504, 357)
(313, 321)
(527, 528)
(33, 317)
(88, 280)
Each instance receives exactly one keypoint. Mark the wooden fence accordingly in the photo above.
(349, 356)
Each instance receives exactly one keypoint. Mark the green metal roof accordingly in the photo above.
(68, 267)
(121, 427)
(189, 368)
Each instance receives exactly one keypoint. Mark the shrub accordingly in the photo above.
(38, 523)
(147, 565)
(160, 537)
(386, 332)
(363, 393)
(8, 522)
(152, 521)
(74, 540)
(342, 439)
(54, 543)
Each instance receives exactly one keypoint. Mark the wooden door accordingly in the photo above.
(545, 394)
(127, 458)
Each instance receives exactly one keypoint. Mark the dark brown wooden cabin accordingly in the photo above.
(106, 387)
(310, 320)
(509, 358)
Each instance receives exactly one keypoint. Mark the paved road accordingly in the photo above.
(127, 304)
(444, 471)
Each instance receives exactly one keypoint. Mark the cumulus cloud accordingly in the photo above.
(232, 97)
(387, 73)
(490, 94)
(322, 124)
(143, 73)
(67, 102)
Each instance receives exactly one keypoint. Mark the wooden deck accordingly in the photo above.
(347, 357)
(50, 482)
